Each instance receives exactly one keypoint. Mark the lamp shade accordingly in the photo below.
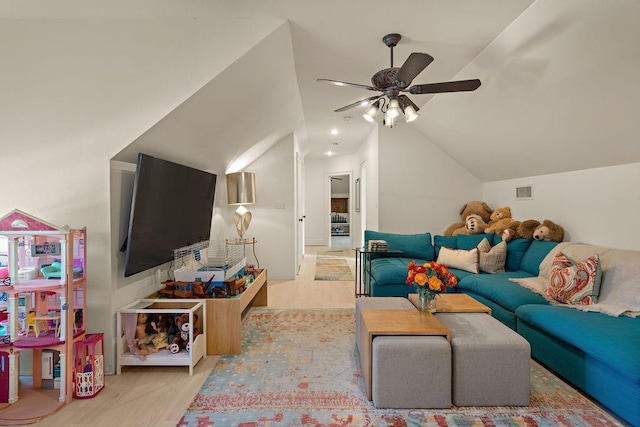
(241, 188)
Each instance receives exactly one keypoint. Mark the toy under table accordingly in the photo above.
(197, 344)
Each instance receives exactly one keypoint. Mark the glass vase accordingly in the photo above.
(427, 302)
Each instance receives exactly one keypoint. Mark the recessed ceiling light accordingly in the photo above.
(329, 153)
(334, 131)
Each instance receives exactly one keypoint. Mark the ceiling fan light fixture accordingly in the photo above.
(389, 121)
(371, 113)
(410, 114)
(394, 109)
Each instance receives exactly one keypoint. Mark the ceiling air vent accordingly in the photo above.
(524, 193)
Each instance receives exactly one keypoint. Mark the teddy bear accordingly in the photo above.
(473, 224)
(181, 339)
(500, 220)
(511, 232)
(471, 208)
(526, 228)
(549, 230)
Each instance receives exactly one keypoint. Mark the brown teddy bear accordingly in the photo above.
(181, 338)
(474, 224)
(500, 220)
(511, 232)
(549, 230)
(471, 208)
(526, 228)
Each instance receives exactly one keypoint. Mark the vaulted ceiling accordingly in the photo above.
(221, 77)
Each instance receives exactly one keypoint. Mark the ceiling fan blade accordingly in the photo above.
(339, 83)
(405, 100)
(355, 104)
(456, 86)
(415, 63)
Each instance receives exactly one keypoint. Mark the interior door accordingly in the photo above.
(299, 212)
(363, 203)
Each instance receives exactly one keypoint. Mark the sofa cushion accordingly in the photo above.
(516, 249)
(535, 253)
(497, 287)
(392, 270)
(450, 242)
(466, 260)
(574, 282)
(470, 241)
(417, 246)
(492, 259)
(614, 341)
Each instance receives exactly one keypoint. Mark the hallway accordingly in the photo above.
(305, 292)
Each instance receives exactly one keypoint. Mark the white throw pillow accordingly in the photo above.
(460, 259)
(492, 259)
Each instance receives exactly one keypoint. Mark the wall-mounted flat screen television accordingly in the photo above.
(171, 208)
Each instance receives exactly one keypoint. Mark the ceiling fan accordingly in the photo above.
(393, 81)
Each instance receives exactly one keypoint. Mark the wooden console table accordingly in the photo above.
(224, 316)
(392, 322)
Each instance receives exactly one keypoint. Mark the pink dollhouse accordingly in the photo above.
(43, 310)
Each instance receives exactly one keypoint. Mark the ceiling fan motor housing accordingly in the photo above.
(384, 78)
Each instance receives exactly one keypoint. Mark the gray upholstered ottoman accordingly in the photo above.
(491, 362)
(411, 372)
(373, 303)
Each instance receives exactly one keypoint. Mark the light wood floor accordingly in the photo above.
(159, 396)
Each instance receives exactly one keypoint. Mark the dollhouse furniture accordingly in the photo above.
(42, 312)
(130, 355)
(89, 366)
(43, 322)
(54, 271)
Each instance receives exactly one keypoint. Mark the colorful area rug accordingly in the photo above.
(300, 368)
(341, 252)
(332, 268)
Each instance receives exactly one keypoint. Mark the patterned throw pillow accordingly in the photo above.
(574, 282)
(492, 260)
(460, 259)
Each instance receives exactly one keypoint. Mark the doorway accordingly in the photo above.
(340, 210)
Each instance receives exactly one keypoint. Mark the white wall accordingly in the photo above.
(597, 206)
(368, 153)
(421, 188)
(315, 221)
(273, 222)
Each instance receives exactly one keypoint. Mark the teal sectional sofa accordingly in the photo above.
(597, 353)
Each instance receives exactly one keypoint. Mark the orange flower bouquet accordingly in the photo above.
(430, 279)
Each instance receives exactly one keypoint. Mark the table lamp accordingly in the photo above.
(241, 190)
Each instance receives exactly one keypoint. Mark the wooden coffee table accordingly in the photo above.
(454, 303)
(392, 322)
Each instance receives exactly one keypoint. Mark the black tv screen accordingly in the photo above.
(172, 207)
